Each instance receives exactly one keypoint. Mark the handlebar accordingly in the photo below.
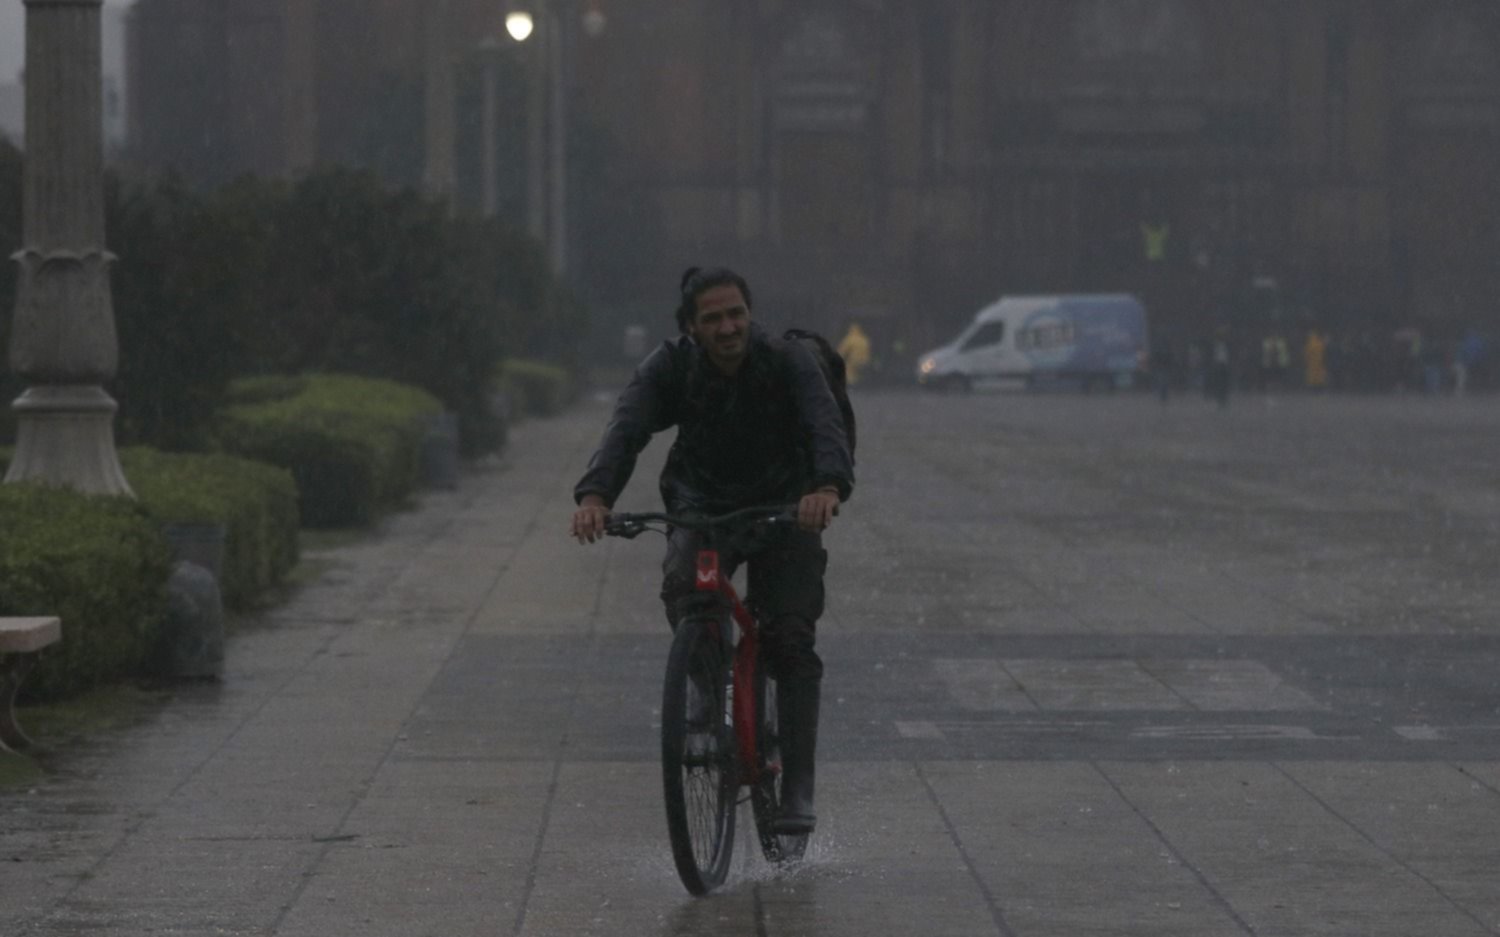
(630, 526)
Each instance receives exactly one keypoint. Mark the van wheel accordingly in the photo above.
(957, 384)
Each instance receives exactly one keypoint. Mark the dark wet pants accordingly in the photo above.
(785, 589)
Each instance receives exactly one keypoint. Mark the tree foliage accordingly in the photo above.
(333, 272)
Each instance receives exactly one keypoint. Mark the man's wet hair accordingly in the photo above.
(699, 280)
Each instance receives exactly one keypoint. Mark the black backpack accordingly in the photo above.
(833, 370)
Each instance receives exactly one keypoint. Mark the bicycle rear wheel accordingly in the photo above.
(697, 754)
(765, 795)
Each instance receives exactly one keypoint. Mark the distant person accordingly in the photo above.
(1275, 361)
(1466, 360)
(1220, 368)
(1163, 370)
(1434, 362)
(1408, 352)
(854, 348)
(1267, 362)
(896, 362)
(1196, 366)
(1315, 361)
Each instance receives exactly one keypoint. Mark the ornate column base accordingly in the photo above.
(65, 436)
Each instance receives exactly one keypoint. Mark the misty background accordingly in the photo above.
(1259, 168)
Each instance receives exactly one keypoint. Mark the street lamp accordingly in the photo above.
(594, 21)
(63, 340)
(548, 85)
(519, 24)
(438, 109)
(489, 197)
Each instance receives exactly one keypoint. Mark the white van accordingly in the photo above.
(1090, 340)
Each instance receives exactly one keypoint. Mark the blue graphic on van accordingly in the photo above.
(1047, 338)
(1084, 334)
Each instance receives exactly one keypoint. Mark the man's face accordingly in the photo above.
(721, 325)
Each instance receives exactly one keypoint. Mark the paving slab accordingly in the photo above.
(1280, 858)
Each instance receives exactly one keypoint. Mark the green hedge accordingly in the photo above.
(536, 388)
(353, 444)
(266, 388)
(257, 504)
(98, 563)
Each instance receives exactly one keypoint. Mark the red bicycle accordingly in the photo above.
(719, 728)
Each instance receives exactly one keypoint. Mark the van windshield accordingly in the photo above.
(991, 333)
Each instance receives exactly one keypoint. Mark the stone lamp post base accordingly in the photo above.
(65, 436)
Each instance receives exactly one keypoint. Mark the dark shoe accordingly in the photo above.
(797, 704)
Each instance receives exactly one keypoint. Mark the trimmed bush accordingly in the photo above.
(353, 444)
(256, 503)
(536, 388)
(98, 563)
(265, 388)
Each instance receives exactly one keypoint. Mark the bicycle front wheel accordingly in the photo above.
(697, 754)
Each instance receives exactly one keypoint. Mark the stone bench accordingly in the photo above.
(20, 639)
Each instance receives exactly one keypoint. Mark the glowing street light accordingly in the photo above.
(519, 24)
(594, 22)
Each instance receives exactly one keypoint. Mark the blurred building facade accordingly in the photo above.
(903, 161)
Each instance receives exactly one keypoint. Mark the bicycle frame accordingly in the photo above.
(738, 763)
(746, 659)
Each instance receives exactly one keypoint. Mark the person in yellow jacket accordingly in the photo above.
(854, 348)
(1315, 360)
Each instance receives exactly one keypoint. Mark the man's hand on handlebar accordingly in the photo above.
(816, 511)
(589, 519)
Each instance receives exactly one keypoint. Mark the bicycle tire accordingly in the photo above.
(765, 794)
(700, 781)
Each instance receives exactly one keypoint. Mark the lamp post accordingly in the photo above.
(489, 118)
(558, 40)
(63, 340)
(521, 25)
(548, 86)
(438, 132)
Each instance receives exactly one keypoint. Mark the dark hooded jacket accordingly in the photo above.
(769, 434)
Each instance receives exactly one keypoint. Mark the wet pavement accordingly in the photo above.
(1095, 666)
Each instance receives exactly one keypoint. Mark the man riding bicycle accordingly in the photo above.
(756, 424)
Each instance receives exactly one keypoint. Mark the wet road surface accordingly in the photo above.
(1095, 666)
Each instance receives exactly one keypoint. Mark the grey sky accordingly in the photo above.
(13, 36)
